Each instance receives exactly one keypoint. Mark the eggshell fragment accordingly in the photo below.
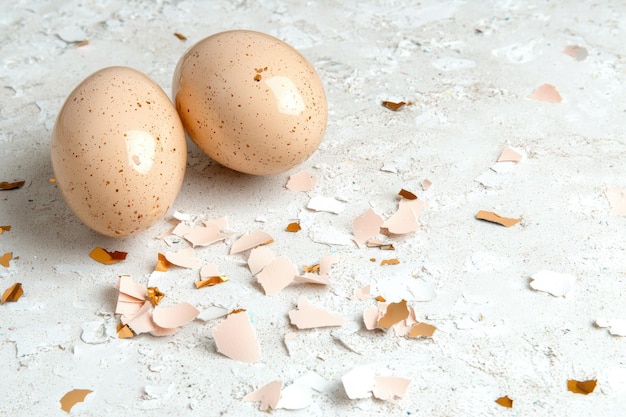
(118, 152)
(253, 239)
(176, 316)
(366, 226)
(185, 258)
(302, 181)
(309, 317)
(250, 101)
(268, 395)
(359, 382)
(235, 338)
(259, 258)
(554, 283)
(405, 220)
(546, 92)
(279, 273)
(388, 387)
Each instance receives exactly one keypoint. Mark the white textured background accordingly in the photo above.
(496, 335)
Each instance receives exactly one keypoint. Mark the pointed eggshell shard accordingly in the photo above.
(308, 317)
(277, 275)
(185, 258)
(359, 383)
(235, 338)
(366, 226)
(301, 181)
(255, 238)
(388, 387)
(259, 258)
(268, 395)
(172, 317)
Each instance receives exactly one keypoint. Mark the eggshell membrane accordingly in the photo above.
(118, 152)
(250, 102)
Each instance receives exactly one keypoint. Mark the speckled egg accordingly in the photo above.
(250, 101)
(118, 152)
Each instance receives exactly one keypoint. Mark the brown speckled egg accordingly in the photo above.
(250, 101)
(118, 152)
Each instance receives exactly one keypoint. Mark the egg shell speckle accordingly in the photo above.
(250, 102)
(118, 152)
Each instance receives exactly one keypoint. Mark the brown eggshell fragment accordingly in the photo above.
(250, 101)
(118, 152)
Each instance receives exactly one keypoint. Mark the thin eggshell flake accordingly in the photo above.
(259, 258)
(366, 226)
(546, 92)
(302, 181)
(268, 395)
(250, 101)
(176, 316)
(205, 235)
(279, 273)
(209, 270)
(235, 338)
(327, 204)
(307, 316)
(405, 219)
(555, 283)
(255, 238)
(118, 152)
(185, 258)
(510, 155)
(388, 387)
(359, 382)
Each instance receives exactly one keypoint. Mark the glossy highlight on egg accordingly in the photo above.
(250, 101)
(118, 152)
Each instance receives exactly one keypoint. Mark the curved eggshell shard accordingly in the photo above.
(118, 152)
(176, 316)
(250, 101)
